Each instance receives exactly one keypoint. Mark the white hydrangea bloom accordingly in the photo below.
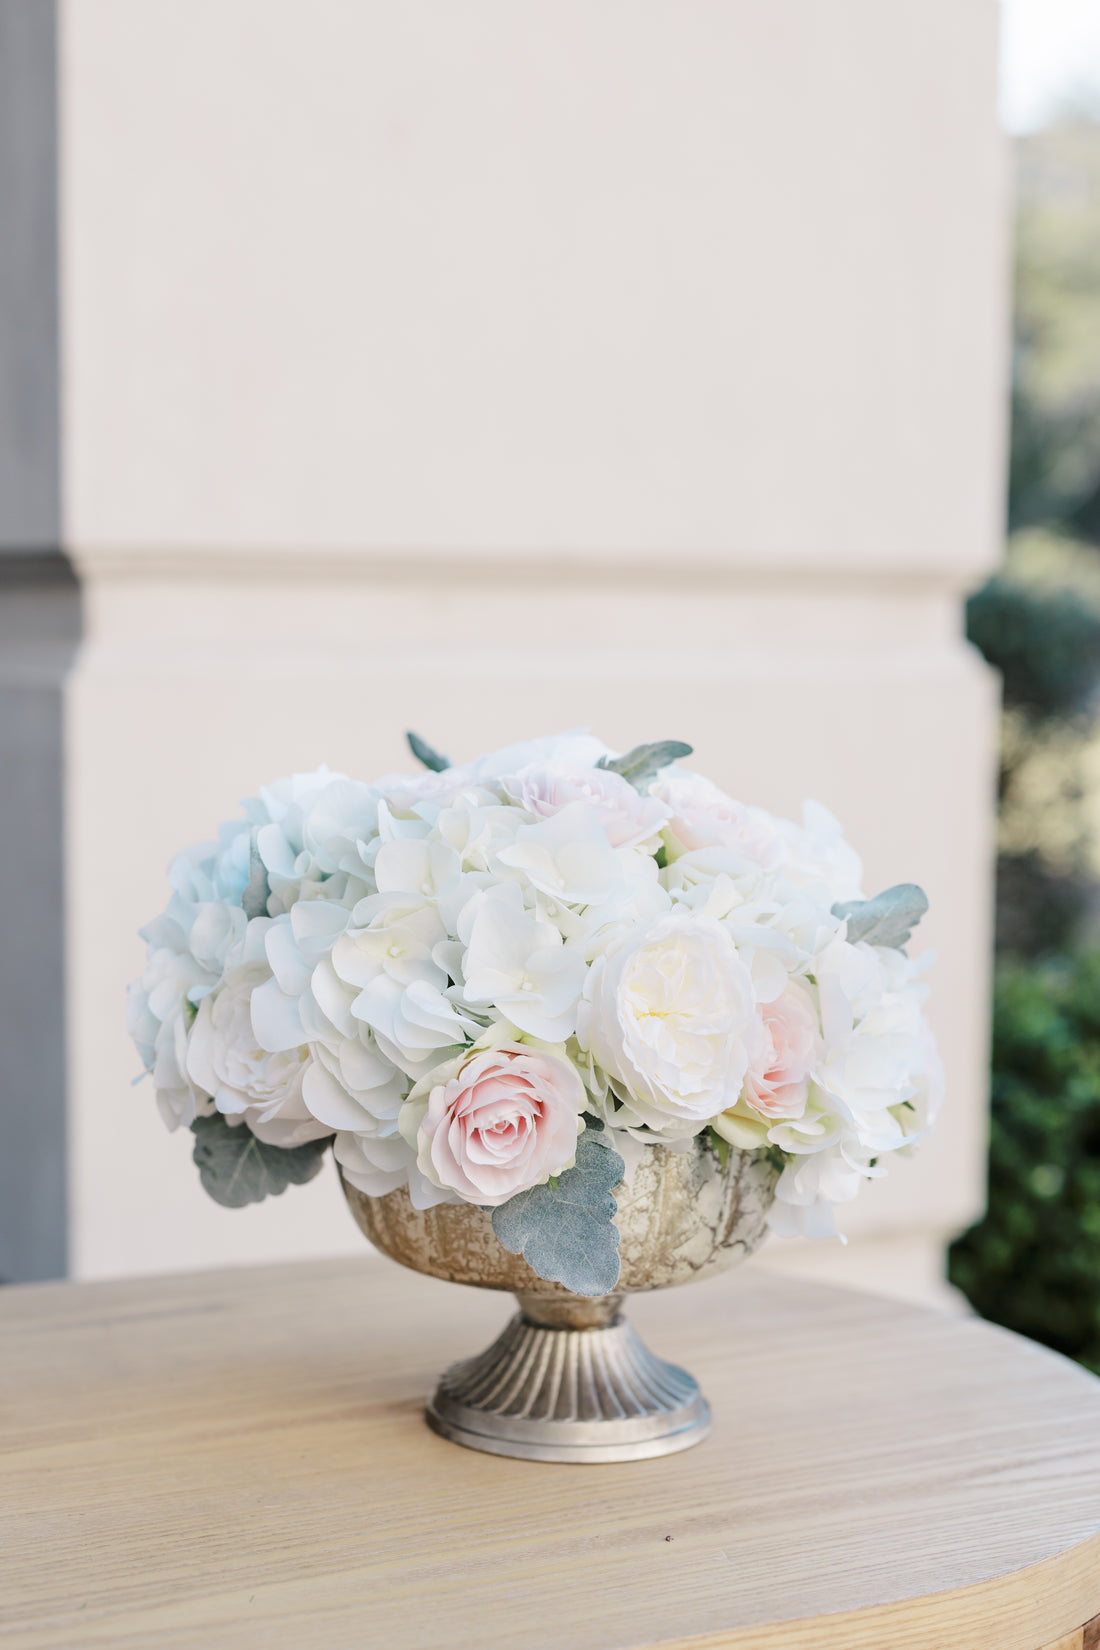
(519, 965)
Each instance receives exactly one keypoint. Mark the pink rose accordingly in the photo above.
(777, 1083)
(702, 816)
(545, 788)
(506, 1120)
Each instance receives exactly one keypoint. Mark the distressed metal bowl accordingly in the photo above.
(569, 1380)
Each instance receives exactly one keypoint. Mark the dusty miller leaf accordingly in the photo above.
(425, 754)
(236, 1168)
(888, 919)
(645, 762)
(254, 899)
(567, 1232)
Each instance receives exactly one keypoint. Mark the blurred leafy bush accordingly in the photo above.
(1038, 623)
(1055, 454)
(1046, 645)
(1033, 1263)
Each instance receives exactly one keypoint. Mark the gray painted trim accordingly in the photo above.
(39, 629)
(30, 469)
(44, 569)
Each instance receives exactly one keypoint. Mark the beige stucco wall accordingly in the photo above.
(490, 368)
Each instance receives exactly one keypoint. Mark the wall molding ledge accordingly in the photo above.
(741, 570)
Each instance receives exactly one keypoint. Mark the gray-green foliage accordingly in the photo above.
(888, 919)
(644, 762)
(255, 897)
(425, 754)
(236, 1168)
(566, 1231)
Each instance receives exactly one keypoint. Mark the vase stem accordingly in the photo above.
(569, 1311)
(568, 1392)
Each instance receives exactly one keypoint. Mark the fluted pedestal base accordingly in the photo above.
(567, 1394)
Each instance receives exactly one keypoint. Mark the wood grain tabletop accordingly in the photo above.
(237, 1460)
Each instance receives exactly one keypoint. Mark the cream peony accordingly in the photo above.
(669, 1016)
(160, 1035)
(224, 1057)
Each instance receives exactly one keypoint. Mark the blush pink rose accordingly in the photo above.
(702, 816)
(545, 788)
(506, 1120)
(777, 1083)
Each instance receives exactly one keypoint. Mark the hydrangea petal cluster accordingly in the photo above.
(446, 973)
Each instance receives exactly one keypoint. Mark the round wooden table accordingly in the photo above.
(239, 1460)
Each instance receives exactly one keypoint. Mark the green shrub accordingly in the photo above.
(1046, 645)
(1039, 625)
(1033, 1262)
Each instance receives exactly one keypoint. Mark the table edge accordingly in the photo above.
(1026, 1609)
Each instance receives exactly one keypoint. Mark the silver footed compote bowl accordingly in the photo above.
(568, 1379)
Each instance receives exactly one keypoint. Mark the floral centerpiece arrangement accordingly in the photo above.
(504, 983)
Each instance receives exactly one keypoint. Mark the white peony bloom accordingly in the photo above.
(159, 1011)
(669, 1016)
(162, 1044)
(519, 965)
(263, 1089)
